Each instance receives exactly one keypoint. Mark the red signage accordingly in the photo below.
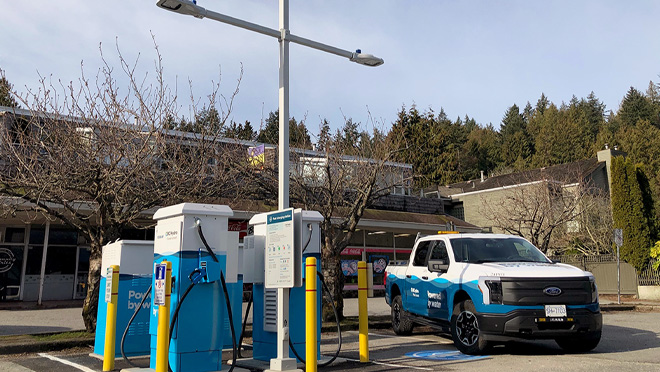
(240, 226)
(353, 251)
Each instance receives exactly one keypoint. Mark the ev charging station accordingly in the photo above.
(183, 233)
(202, 252)
(280, 243)
(134, 258)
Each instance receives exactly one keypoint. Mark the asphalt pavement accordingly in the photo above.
(25, 320)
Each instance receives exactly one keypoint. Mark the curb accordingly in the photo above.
(39, 346)
(630, 307)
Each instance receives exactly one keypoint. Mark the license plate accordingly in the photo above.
(553, 311)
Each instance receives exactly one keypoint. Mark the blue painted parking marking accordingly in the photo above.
(444, 355)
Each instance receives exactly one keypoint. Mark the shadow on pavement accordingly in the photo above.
(614, 339)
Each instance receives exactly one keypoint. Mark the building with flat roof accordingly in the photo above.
(44, 259)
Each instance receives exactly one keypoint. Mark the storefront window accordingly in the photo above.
(33, 265)
(380, 239)
(60, 236)
(14, 235)
(11, 262)
(37, 236)
(61, 261)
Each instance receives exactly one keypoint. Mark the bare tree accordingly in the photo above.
(341, 188)
(591, 232)
(538, 209)
(96, 157)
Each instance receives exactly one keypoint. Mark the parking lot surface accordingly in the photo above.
(631, 342)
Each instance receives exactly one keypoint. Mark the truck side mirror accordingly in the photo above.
(438, 266)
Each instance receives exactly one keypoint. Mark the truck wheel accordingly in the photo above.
(465, 329)
(401, 323)
(579, 343)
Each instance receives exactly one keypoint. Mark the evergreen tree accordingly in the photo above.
(240, 131)
(6, 97)
(480, 152)
(634, 107)
(516, 144)
(348, 138)
(542, 104)
(270, 132)
(324, 136)
(630, 213)
(298, 134)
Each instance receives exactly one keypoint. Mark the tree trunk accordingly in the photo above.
(91, 302)
(334, 279)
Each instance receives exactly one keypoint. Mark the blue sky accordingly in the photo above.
(468, 57)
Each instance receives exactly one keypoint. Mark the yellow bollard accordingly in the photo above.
(112, 289)
(162, 337)
(362, 306)
(311, 358)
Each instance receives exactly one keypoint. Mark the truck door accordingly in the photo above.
(415, 296)
(437, 284)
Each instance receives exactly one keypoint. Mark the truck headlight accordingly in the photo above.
(495, 290)
(594, 289)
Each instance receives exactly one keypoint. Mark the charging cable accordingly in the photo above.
(123, 336)
(339, 342)
(224, 289)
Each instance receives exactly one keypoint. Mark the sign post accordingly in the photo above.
(111, 291)
(618, 240)
(163, 288)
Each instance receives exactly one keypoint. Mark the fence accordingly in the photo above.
(604, 268)
(650, 276)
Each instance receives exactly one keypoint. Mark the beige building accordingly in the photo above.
(477, 201)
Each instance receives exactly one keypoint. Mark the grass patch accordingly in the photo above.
(63, 336)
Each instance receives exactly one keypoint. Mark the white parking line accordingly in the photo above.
(393, 365)
(68, 363)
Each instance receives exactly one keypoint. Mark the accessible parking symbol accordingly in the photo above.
(445, 355)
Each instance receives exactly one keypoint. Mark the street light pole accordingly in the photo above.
(283, 362)
(283, 148)
(188, 7)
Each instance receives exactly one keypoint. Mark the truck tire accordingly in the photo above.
(465, 331)
(401, 322)
(579, 343)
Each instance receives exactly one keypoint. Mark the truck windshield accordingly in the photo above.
(480, 250)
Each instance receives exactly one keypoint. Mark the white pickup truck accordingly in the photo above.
(489, 288)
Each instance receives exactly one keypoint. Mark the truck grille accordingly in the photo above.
(532, 291)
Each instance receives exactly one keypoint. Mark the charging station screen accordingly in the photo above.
(280, 250)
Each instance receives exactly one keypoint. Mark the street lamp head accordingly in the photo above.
(366, 59)
(186, 7)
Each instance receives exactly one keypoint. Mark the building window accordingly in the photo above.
(14, 235)
(457, 211)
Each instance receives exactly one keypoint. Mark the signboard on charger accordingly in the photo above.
(280, 250)
(159, 285)
(108, 284)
